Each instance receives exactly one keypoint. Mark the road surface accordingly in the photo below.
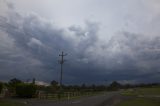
(100, 100)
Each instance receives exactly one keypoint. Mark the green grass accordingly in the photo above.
(153, 91)
(148, 97)
(140, 102)
(10, 103)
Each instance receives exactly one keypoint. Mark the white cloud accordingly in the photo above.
(5, 41)
(34, 41)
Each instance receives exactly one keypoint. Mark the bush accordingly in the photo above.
(25, 90)
(1, 87)
(114, 86)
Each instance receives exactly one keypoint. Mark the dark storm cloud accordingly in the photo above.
(133, 56)
(30, 45)
(36, 44)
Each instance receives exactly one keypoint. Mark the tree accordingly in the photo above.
(83, 86)
(54, 86)
(13, 82)
(25, 90)
(114, 86)
(54, 83)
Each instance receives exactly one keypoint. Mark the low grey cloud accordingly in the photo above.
(35, 45)
(30, 45)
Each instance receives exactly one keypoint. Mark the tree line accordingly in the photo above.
(30, 90)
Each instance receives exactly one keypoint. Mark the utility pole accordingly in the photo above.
(61, 62)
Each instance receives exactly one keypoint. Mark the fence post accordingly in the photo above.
(68, 95)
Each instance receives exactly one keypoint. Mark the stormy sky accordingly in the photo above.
(106, 40)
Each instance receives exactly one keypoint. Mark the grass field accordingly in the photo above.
(153, 91)
(142, 97)
(140, 102)
(10, 103)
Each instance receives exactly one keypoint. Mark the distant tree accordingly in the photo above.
(83, 86)
(76, 88)
(93, 87)
(114, 86)
(14, 82)
(100, 88)
(127, 86)
(54, 83)
(54, 86)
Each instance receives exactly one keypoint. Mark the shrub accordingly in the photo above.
(114, 86)
(1, 87)
(25, 90)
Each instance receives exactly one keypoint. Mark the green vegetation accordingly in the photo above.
(152, 91)
(11, 85)
(18, 88)
(140, 102)
(114, 86)
(10, 103)
(1, 87)
(25, 90)
(149, 91)
(144, 96)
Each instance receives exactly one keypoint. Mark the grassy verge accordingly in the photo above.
(140, 102)
(142, 97)
(153, 91)
(10, 103)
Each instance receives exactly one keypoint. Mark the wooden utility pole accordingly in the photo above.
(61, 62)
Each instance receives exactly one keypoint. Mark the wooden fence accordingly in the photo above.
(65, 95)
